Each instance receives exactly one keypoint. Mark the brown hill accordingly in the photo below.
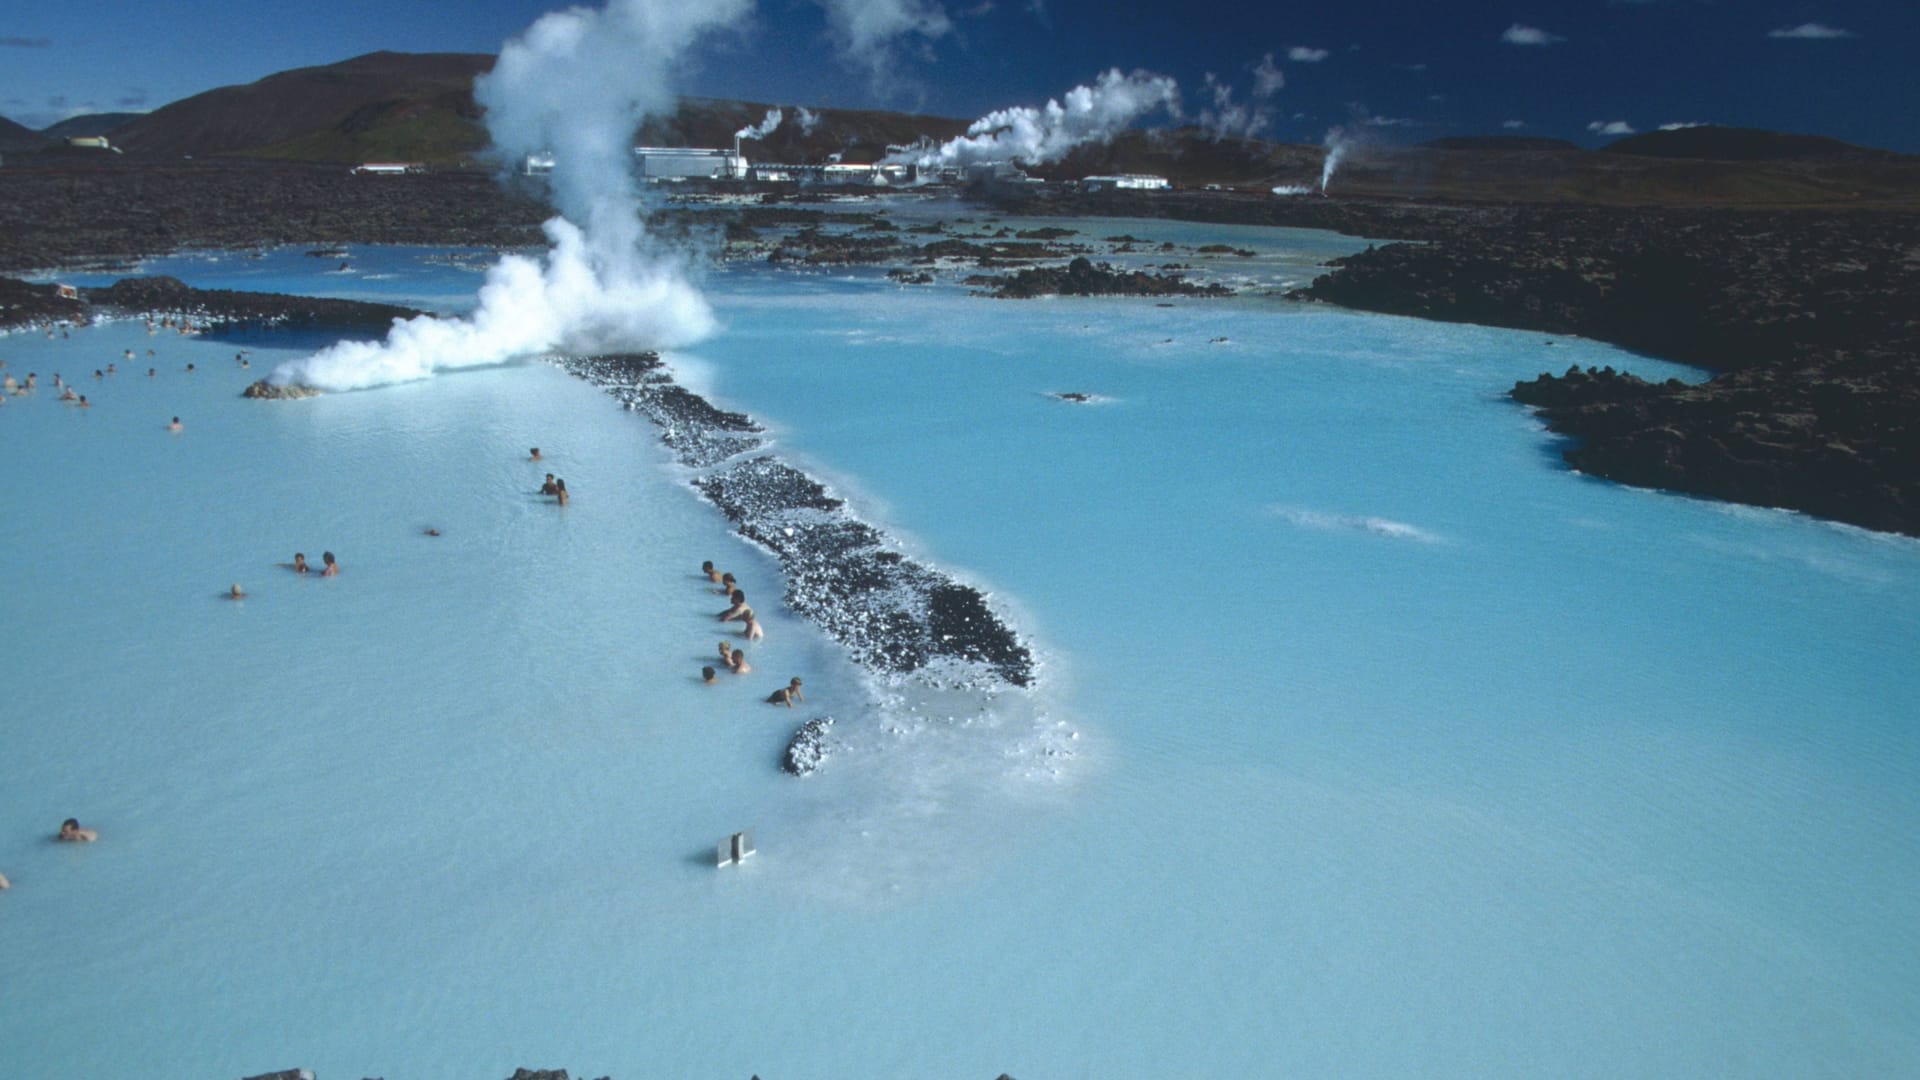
(381, 106)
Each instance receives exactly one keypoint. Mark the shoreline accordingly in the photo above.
(1801, 314)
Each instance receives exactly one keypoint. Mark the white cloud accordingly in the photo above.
(1513, 125)
(867, 31)
(1267, 78)
(1614, 127)
(1812, 31)
(1306, 54)
(1528, 35)
(1676, 125)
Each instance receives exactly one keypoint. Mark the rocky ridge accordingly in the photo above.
(892, 614)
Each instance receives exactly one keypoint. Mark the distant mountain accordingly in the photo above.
(1711, 143)
(1499, 143)
(419, 107)
(381, 106)
(18, 138)
(78, 127)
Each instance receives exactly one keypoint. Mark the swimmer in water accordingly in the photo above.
(431, 531)
(738, 664)
(175, 426)
(189, 367)
(726, 653)
(787, 694)
(235, 593)
(69, 395)
(550, 487)
(151, 373)
(712, 574)
(83, 402)
(534, 454)
(332, 567)
(738, 610)
(4, 883)
(72, 833)
(726, 585)
(299, 562)
(560, 491)
(707, 675)
(753, 631)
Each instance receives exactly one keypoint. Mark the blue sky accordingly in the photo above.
(1584, 70)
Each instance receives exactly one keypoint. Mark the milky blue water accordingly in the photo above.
(1369, 740)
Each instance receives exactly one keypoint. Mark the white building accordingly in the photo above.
(1126, 182)
(689, 163)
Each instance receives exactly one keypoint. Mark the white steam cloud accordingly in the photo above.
(1268, 79)
(1226, 119)
(1339, 142)
(576, 83)
(1088, 114)
(1306, 54)
(1610, 127)
(764, 128)
(807, 119)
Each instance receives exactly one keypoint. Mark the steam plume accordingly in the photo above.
(576, 83)
(1337, 142)
(807, 119)
(764, 128)
(1090, 114)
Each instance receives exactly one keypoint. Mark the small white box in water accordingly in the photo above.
(735, 848)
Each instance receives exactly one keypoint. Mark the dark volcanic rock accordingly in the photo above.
(157, 295)
(1082, 277)
(262, 389)
(891, 613)
(52, 216)
(1808, 316)
(807, 750)
(24, 304)
(1839, 440)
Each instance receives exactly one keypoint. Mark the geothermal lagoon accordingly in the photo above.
(1366, 739)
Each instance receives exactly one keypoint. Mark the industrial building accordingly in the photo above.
(690, 163)
(1126, 182)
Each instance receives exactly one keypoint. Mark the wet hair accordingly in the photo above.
(176, 419)
(738, 596)
(728, 578)
(70, 823)
(327, 557)
(561, 484)
(795, 682)
(707, 566)
(707, 673)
